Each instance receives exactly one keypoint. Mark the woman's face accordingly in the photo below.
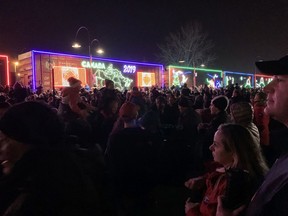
(219, 153)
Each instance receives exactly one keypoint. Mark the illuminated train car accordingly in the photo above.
(245, 80)
(179, 75)
(262, 80)
(4, 70)
(48, 69)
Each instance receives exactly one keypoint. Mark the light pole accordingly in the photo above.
(90, 42)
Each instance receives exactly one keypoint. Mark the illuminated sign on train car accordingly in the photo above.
(91, 71)
(194, 77)
(262, 80)
(245, 80)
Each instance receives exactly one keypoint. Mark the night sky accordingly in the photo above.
(242, 31)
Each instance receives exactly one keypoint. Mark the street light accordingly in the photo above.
(77, 45)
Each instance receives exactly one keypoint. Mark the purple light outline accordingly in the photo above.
(103, 59)
(33, 70)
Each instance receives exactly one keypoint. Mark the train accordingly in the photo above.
(50, 70)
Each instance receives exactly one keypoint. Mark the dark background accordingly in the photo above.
(242, 31)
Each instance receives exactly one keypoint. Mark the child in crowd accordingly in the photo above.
(237, 156)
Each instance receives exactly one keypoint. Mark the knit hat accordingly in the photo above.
(33, 123)
(73, 82)
(221, 102)
(242, 112)
(128, 111)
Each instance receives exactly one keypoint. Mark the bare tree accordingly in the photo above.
(190, 46)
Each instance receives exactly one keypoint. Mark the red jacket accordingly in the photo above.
(216, 184)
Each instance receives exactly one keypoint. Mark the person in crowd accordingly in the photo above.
(4, 106)
(108, 91)
(271, 197)
(261, 119)
(39, 176)
(79, 139)
(242, 156)
(71, 106)
(166, 114)
(199, 102)
(218, 109)
(129, 157)
(242, 113)
(236, 95)
(103, 119)
(205, 112)
(186, 137)
(19, 92)
(136, 97)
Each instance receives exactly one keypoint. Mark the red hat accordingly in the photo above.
(73, 81)
(128, 111)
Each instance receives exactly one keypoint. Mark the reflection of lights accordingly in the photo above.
(120, 82)
(18, 74)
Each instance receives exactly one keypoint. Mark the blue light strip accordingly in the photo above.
(33, 70)
(240, 73)
(198, 69)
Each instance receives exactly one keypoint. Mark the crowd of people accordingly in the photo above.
(156, 151)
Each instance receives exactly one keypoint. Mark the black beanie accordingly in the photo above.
(33, 123)
(221, 102)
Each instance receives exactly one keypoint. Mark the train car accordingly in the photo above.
(51, 70)
(179, 75)
(245, 80)
(262, 80)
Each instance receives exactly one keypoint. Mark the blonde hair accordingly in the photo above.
(246, 150)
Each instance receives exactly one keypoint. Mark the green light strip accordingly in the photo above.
(198, 69)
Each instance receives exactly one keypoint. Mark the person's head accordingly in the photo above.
(219, 104)
(183, 104)
(128, 112)
(110, 105)
(260, 99)
(73, 82)
(109, 84)
(235, 147)
(160, 102)
(236, 92)
(28, 125)
(277, 97)
(171, 99)
(242, 112)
